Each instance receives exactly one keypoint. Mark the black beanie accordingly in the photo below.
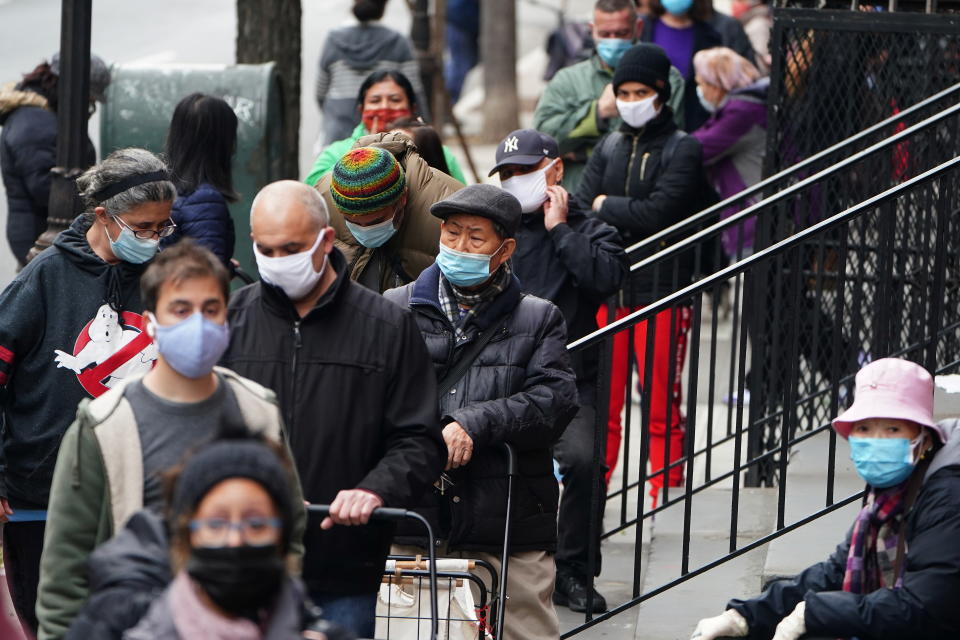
(645, 63)
(234, 458)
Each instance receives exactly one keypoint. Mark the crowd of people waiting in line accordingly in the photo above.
(162, 433)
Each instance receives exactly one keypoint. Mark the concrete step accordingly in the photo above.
(673, 614)
(806, 493)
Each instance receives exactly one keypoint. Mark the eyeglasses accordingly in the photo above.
(215, 532)
(148, 234)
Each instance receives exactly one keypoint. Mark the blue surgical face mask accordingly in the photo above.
(376, 235)
(611, 50)
(464, 269)
(708, 106)
(883, 462)
(193, 345)
(130, 248)
(677, 7)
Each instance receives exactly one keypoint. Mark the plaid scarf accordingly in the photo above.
(872, 559)
(460, 305)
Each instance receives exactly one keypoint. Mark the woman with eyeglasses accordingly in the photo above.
(70, 328)
(200, 147)
(230, 518)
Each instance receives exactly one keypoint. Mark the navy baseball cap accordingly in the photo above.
(525, 147)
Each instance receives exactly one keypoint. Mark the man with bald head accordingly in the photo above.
(356, 387)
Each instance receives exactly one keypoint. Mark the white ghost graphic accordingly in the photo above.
(107, 337)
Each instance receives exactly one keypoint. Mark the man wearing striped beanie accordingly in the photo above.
(380, 197)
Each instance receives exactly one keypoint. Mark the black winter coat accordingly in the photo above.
(127, 574)
(57, 311)
(358, 396)
(28, 147)
(521, 390)
(204, 216)
(644, 197)
(576, 266)
(924, 608)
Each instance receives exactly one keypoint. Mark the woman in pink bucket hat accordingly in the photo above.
(897, 573)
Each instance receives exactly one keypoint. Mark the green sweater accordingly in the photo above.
(335, 150)
(568, 111)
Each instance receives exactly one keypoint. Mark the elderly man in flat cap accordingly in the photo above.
(503, 377)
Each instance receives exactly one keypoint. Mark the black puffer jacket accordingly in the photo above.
(203, 215)
(644, 197)
(28, 147)
(353, 379)
(924, 608)
(521, 390)
(576, 265)
(127, 574)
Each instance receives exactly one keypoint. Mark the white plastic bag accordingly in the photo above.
(403, 610)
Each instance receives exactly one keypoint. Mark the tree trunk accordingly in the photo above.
(498, 47)
(269, 30)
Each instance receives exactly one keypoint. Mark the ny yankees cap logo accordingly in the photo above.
(511, 144)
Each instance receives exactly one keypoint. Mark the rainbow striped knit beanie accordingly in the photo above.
(365, 180)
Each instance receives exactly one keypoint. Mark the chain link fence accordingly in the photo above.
(865, 292)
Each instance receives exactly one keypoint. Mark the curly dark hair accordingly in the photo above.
(43, 81)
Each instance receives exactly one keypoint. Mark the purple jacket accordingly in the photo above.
(734, 142)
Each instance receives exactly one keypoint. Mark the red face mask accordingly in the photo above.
(740, 7)
(376, 120)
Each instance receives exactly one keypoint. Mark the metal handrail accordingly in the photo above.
(737, 268)
(687, 242)
(749, 191)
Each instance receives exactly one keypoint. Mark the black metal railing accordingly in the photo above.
(797, 171)
(931, 141)
(906, 277)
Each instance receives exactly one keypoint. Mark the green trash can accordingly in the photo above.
(140, 104)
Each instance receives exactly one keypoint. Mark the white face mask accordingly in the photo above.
(637, 114)
(530, 188)
(294, 273)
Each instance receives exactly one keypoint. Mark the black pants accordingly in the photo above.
(22, 544)
(574, 453)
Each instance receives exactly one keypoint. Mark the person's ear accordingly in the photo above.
(509, 246)
(401, 209)
(638, 29)
(328, 241)
(150, 324)
(558, 171)
(102, 216)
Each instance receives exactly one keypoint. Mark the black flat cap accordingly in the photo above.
(484, 200)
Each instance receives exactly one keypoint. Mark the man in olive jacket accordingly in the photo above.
(578, 106)
(380, 207)
(113, 457)
(520, 389)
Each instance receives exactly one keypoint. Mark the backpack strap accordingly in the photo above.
(608, 144)
(670, 147)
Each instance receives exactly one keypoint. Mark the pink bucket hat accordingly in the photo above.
(891, 388)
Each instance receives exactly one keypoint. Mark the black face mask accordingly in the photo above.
(239, 580)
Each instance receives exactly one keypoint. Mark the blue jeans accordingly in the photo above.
(356, 613)
(463, 48)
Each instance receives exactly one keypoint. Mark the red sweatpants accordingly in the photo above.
(664, 392)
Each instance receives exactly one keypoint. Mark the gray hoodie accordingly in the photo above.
(349, 55)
